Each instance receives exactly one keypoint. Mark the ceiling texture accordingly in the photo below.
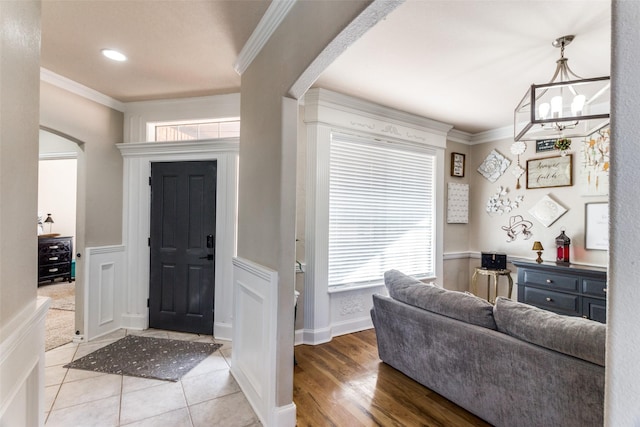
(463, 62)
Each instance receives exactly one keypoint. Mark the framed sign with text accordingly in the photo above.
(457, 164)
(550, 172)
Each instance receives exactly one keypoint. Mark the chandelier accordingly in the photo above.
(568, 106)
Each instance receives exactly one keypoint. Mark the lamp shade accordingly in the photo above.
(49, 220)
(537, 246)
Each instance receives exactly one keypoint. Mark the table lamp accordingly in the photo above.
(537, 246)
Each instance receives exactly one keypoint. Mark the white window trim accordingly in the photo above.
(327, 111)
(393, 162)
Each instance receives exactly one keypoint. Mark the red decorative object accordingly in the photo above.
(562, 247)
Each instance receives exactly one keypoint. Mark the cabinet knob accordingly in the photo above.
(53, 258)
(549, 281)
(53, 270)
(54, 247)
(604, 290)
(548, 299)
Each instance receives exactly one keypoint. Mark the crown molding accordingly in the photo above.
(69, 85)
(498, 134)
(351, 104)
(460, 136)
(271, 20)
(491, 135)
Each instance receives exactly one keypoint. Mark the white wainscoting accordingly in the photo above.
(254, 356)
(105, 267)
(22, 367)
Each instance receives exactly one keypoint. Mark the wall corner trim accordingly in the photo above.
(271, 20)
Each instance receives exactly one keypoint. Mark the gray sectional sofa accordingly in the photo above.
(510, 364)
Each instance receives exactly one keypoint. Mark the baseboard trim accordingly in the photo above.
(316, 336)
(223, 331)
(137, 322)
(284, 416)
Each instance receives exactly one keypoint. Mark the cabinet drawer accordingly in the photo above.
(54, 247)
(594, 287)
(54, 258)
(555, 281)
(54, 270)
(554, 301)
(595, 309)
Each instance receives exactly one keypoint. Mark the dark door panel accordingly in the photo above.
(181, 290)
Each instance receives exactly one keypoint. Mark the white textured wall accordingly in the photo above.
(57, 194)
(623, 368)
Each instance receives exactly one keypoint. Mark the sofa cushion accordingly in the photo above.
(575, 336)
(456, 305)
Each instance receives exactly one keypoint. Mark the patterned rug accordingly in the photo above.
(60, 320)
(146, 357)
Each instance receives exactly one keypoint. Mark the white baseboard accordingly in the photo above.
(223, 331)
(284, 416)
(321, 336)
(134, 321)
(351, 326)
(316, 336)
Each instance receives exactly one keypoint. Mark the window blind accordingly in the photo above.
(381, 210)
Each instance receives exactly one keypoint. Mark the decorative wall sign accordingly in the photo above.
(550, 172)
(596, 227)
(457, 164)
(547, 211)
(499, 202)
(494, 166)
(545, 145)
(518, 225)
(595, 164)
(458, 203)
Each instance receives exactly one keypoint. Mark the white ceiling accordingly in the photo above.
(462, 62)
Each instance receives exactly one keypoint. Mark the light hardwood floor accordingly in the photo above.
(344, 383)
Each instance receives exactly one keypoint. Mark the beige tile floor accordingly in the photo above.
(206, 396)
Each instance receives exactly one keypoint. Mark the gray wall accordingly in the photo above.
(99, 128)
(267, 199)
(19, 85)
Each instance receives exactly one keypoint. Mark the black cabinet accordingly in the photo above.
(573, 290)
(54, 258)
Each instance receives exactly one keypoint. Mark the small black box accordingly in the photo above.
(493, 261)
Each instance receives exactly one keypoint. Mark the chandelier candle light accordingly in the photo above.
(569, 106)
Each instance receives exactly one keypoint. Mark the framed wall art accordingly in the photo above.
(458, 203)
(547, 211)
(457, 164)
(494, 166)
(550, 172)
(596, 226)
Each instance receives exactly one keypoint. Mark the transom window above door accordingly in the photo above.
(192, 130)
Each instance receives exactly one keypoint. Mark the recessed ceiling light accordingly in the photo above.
(114, 54)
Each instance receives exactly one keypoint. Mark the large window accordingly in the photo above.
(381, 210)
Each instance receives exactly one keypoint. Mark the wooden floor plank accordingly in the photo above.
(344, 383)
